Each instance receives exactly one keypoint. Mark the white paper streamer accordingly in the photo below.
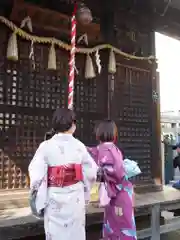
(98, 61)
(27, 22)
(83, 38)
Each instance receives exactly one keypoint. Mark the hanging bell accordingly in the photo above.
(84, 15)
(112, 63)
(52, 58)
(12, 48)
(89, 68)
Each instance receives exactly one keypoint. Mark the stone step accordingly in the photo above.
(13, 199)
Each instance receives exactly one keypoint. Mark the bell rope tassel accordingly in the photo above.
(12, 48)
(52, 58)
(112, 63)
(89, 68)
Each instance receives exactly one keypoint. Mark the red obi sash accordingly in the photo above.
(64, 175)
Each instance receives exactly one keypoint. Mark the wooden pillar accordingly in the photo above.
(155, 222)
(107, 31)
(156, 164)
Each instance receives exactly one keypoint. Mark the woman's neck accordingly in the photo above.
(67, 132)
(106, 142)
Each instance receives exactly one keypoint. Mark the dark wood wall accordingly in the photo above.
(28, 97)
(131, 89)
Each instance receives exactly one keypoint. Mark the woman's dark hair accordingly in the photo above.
(63, 119)
(106, 131)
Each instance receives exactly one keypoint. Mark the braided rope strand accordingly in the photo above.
(67, 47)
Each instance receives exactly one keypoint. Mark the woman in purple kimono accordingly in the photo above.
(119, 223)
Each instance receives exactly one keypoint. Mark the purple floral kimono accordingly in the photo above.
(119, 222)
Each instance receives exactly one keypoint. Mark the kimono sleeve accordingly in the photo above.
(93, 151)
(38, 167)
(90, 169)
(89, 166)
(112, 163)
(118, 164)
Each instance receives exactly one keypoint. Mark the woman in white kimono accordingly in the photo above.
(61, 174)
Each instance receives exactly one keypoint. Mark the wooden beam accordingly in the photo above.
(52, 21)
(5, 7)
(170, 20)
(107, 31)
(107, 20)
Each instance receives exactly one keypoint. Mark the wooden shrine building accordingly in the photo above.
(130, 96)
(34, 66)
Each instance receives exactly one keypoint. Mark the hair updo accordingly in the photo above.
(63, 119)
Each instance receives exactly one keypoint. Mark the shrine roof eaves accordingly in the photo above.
(173, 3)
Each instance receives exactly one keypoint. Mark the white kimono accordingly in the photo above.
(64, 215)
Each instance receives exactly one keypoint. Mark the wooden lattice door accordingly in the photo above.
(27, 100)
(90, 102)
(131, 109)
